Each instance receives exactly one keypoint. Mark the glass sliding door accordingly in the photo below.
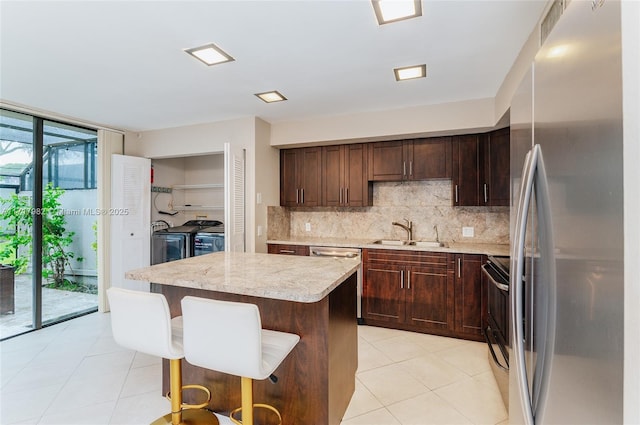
(69, 221)
(57, 186)
(17, 290)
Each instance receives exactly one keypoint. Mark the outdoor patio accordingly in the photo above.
(56, 304)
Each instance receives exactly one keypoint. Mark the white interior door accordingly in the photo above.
(130, 214)
(234, 199)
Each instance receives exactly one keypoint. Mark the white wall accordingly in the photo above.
(468, 116)
(267, 182)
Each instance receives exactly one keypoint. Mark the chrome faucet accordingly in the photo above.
(435, 227)
(408, 227)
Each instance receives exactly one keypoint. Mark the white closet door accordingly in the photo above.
(130, 213)
(234, 203)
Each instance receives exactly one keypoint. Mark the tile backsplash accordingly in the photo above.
(425, 203)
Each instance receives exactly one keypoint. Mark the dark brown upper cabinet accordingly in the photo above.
(300, 177)
(481, 169)
(466, 170)
(417, 159)
(344, 176)
(495, 182)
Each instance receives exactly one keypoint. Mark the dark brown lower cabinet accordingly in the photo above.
(407, 290)
(470, 298)
(424, 292)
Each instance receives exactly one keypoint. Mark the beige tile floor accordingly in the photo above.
(74, 373)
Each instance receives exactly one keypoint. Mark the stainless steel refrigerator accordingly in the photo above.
(567, 223)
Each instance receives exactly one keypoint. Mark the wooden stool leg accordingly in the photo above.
(175, 376)
(247, 401)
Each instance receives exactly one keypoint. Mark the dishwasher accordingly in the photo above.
(335, 252)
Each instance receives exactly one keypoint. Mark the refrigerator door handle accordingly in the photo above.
(534, 174)
(516, 285)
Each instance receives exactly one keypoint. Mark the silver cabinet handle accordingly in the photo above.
(408, 280)
(340, 196)
(456, 194)
(485, 194)
(302, 195)
(346, 191)
(404, 168)
(297, 196)
(410, 168)
(459, 266)
(287, 251)
(401, 279)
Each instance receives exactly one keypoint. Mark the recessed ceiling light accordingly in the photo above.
(271, 96)
(410, 72)
(396, 10)
(209, 54)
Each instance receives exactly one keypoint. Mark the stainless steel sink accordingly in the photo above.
(422, 244)
(390, 242)
(428, 244)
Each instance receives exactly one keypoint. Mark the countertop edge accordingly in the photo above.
(453, 247)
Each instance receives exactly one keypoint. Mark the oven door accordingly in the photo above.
(496, 332)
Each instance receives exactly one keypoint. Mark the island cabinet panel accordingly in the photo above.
(317, 379)
(407, 290)
(344, 176)
(302, 250)
(300, 177)
(416, 159)
(470, 299)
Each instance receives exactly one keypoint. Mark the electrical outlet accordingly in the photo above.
(467, 232)
(259, 231)
(307, 227)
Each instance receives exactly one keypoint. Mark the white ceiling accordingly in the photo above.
(121, 63)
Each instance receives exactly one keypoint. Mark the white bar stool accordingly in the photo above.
(141, 321)
(255, 352)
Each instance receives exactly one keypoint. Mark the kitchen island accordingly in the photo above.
(309, 296)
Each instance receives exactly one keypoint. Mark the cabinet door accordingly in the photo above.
(289, 191)
(430, 302)
(470, 299)
(386, 161)
(466, 179)
(356, 187)
(383, 295)
(332, 179)
(309, 162)
(495, 190)
(431, 159)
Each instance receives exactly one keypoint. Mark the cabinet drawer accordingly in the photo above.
(288, 249)
(406, 258)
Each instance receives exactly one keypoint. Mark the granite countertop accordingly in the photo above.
(283, 277)
(453, 247)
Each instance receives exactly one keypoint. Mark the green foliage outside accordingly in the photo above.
(56, 239)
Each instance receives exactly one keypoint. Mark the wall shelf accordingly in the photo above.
(197, 186)
(196, 207)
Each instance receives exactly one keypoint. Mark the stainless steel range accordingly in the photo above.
(496, 332)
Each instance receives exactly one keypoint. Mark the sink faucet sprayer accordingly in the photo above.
(408, 227)
(435, 227)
